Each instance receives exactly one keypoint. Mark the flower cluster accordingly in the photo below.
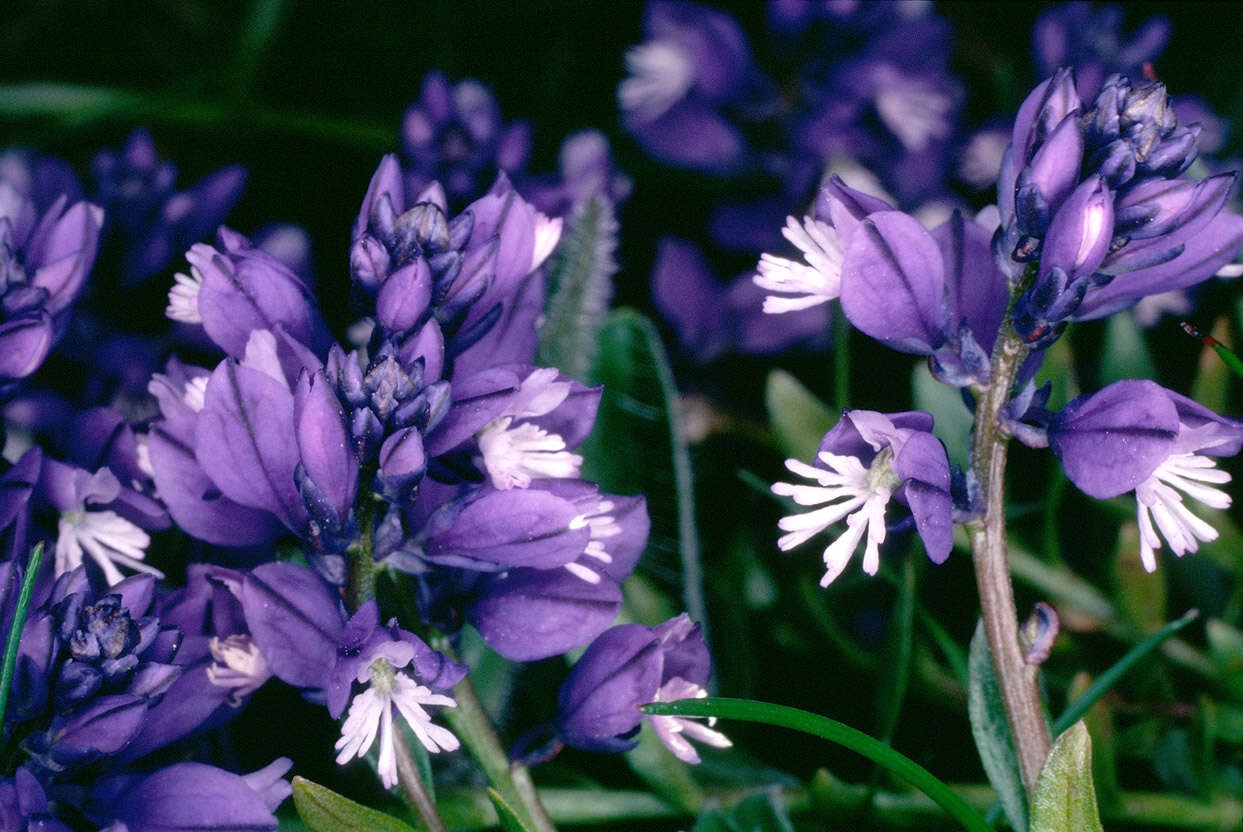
(426, 450)
(864, 90)
(96, 690)
(1095, 211)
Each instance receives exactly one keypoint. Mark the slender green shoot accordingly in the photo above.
(15, 629)
(1110, 677)
(833, 731)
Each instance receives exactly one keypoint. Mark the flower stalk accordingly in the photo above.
(1020, 694)
(359, 590)
(472, 725)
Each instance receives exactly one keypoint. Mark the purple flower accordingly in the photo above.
(99, 518)
(864, 461)
(237, 289)
(188, 796)
(694, 61)
(1131, 227)
(628, 666)
(44, 260)
(935, 293)
(156, 222)
(1136, 435)
(454, 135)
(399, 672)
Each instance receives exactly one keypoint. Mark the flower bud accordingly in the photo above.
(1042, 111)
(1043, 185)
(1081, 231)
(404, 297)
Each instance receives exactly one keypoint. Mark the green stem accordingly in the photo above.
(361, 582)
(841, 360)
(414, 787)
(1019, 692)
(472, 725)
(360, 588)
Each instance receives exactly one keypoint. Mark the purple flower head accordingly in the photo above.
(866, 459)
(1136, 435)
(454, 135)
(466, 291)
(156, 222)
(935, 293)
(93, 672)
(1091, 40)
(1093, 195)
(45, 257)
(628, 666)
(694, 61)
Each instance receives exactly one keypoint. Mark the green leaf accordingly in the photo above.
(638, 441)
(714, 820)
(323, 810)
(833, 731)
(69, 102)
(580, 286)
(509, 819)
(15, 627)
(1065, 799)
(992, 731)
(798, 418)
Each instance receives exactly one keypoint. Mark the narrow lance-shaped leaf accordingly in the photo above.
(637, 440)
(323, 810)
(580, 287)
(1065, 798)
(992, 731)
(510, 821)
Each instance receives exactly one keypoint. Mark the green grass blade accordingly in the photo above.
(833, 731)
(1110, 677)
(15, 629)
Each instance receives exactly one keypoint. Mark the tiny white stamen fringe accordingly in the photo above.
(183, 297)
(371, 714)
(1159, 502)
(804, 284)
(107, 537)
